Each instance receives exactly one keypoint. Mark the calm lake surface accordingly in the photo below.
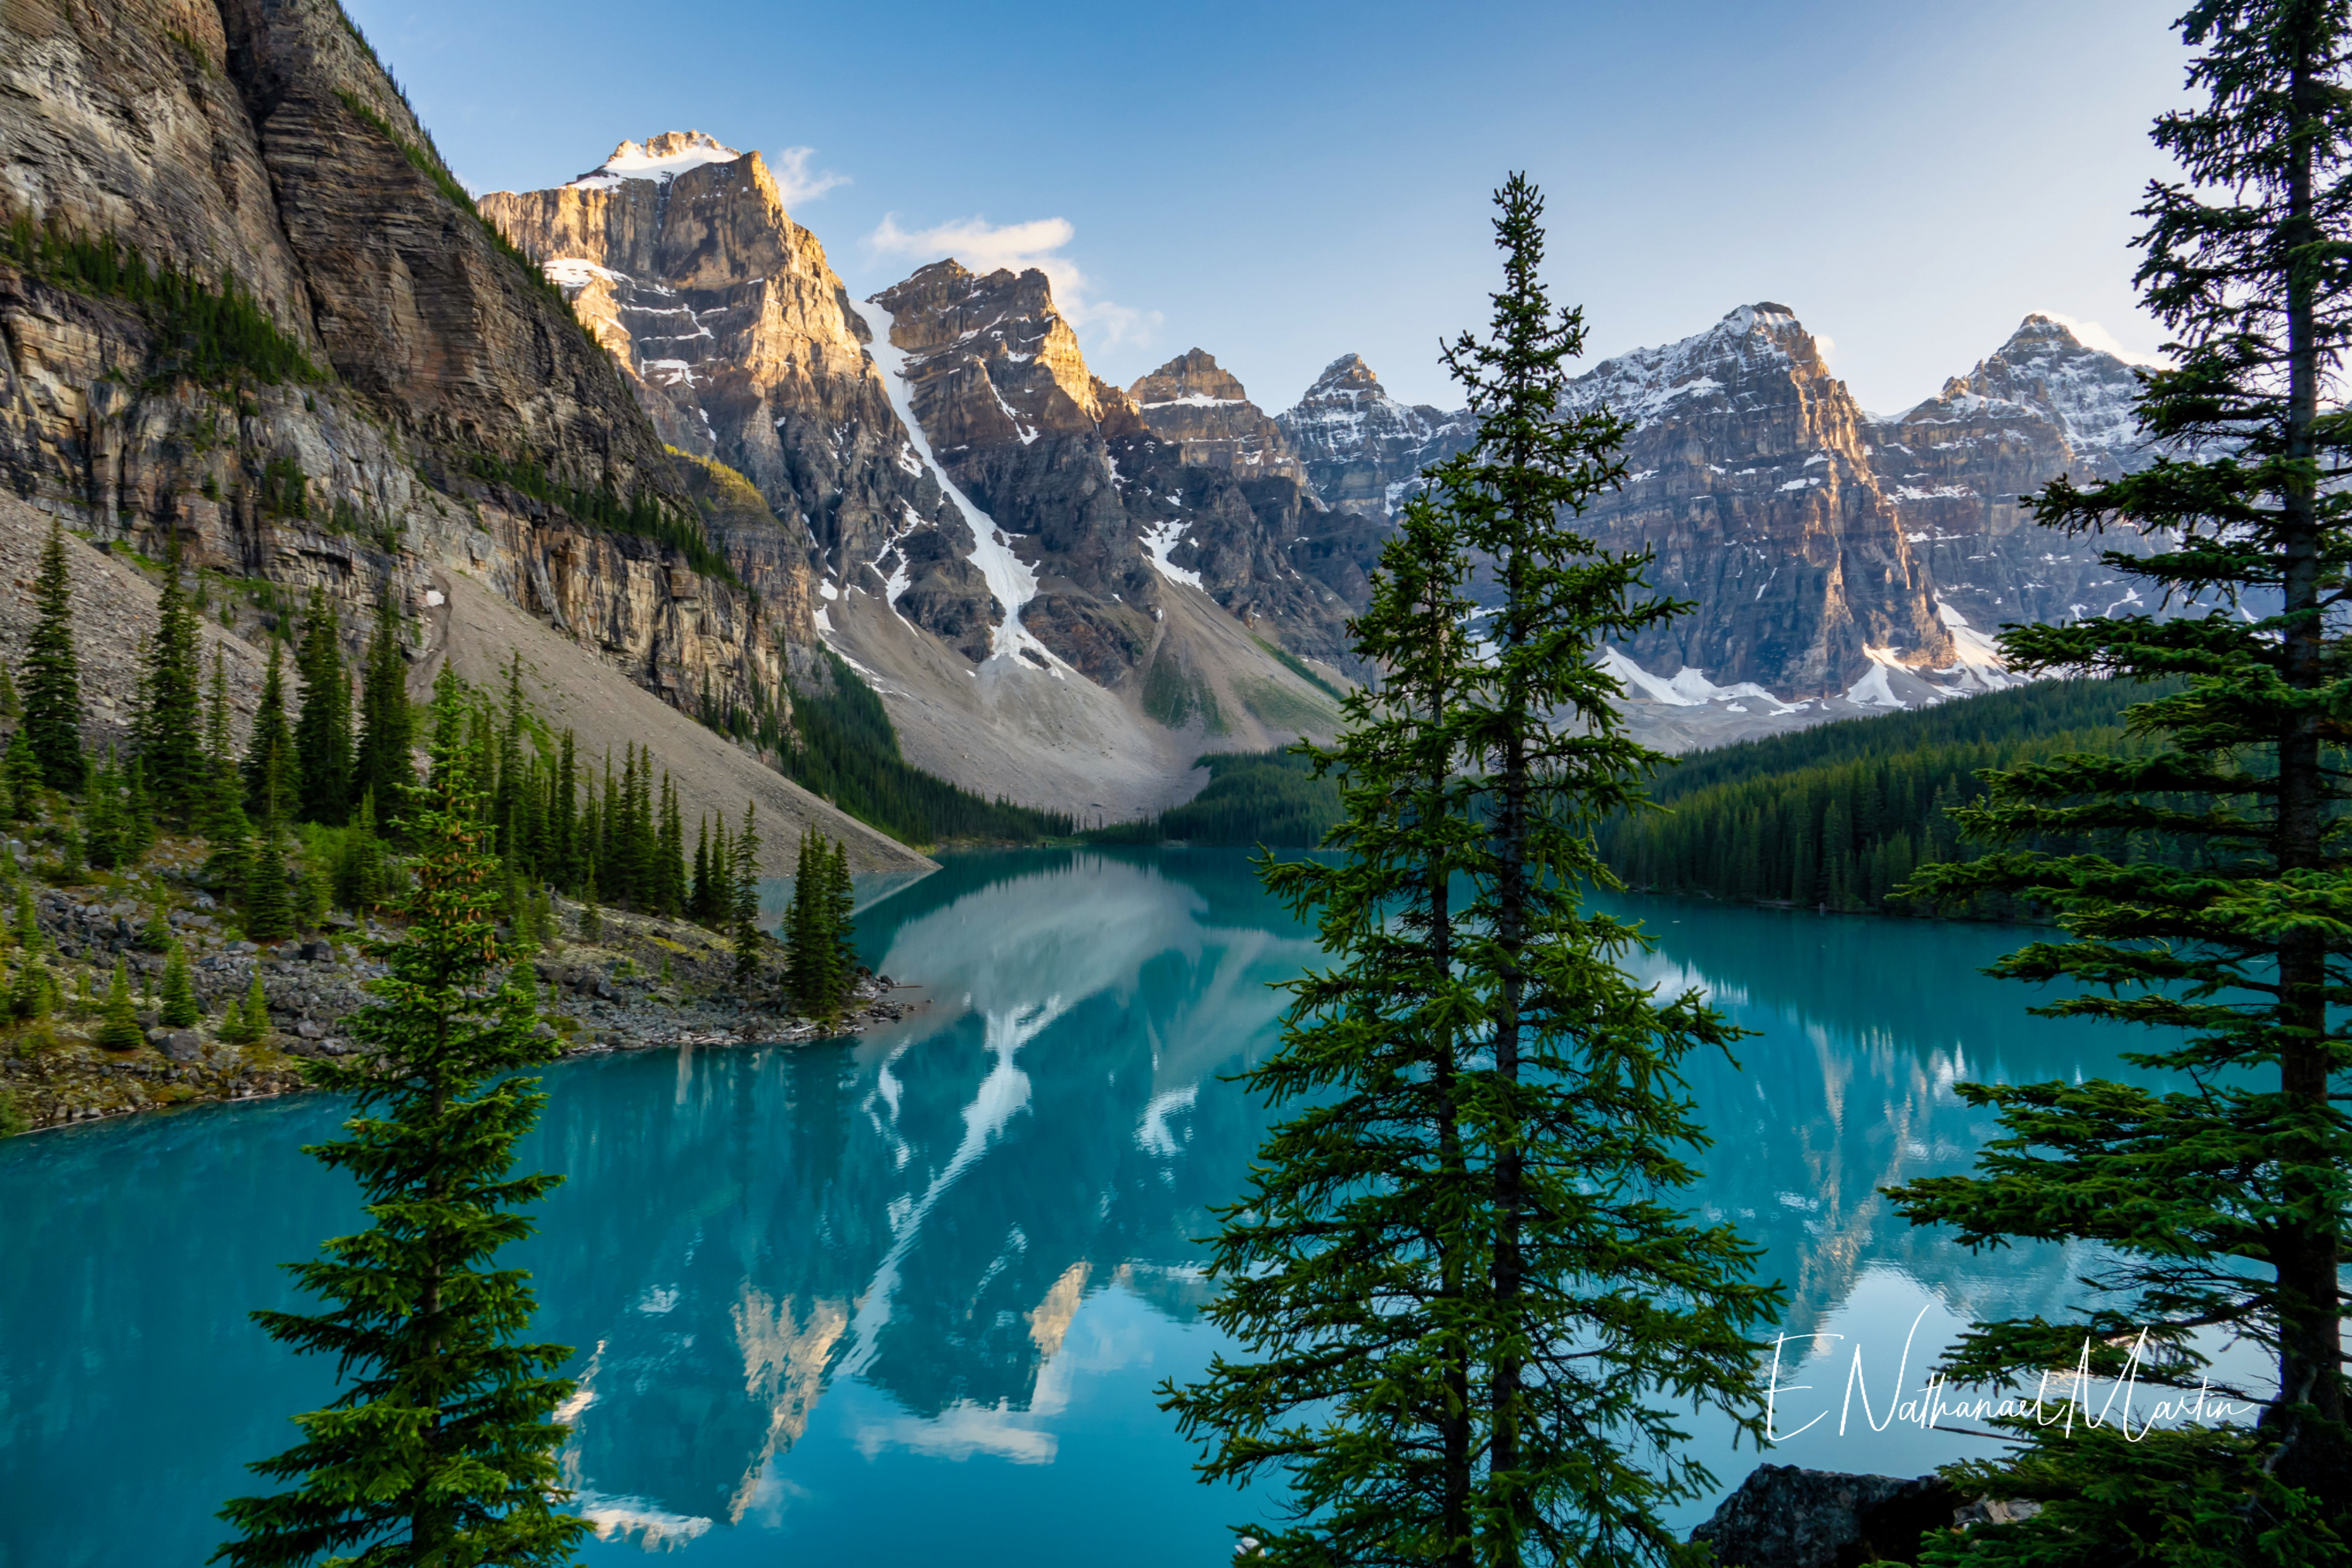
(907, 1297)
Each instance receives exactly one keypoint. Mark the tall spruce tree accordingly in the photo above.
(387, 729)
(271, 773)
(2221, 1201)
(168, 731)
(53, 715)
(322, 734)
(1470, 1316)
(441, 1447)
(743, 911)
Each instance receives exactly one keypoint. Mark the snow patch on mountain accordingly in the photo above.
(1008, 576)
(660, 159)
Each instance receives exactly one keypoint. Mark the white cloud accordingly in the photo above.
(1824, 344)
(2092, 335)
(984, 246)
(790, 165)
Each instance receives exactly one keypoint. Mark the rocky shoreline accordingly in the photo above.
(644, 983)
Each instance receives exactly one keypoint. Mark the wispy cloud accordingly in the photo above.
(984, 246)
(790, 165)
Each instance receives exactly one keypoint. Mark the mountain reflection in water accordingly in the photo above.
(908, 1295)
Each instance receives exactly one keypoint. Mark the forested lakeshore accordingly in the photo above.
(1271, 798)
(157, 889)
(1838, 818)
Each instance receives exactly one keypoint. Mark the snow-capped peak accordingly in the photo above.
(660, 159)
(1644, 384)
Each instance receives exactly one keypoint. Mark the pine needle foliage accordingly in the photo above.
(322, 734)
(1469, 1314)
(166, 730)
(2221, 1203)
(180, 1010)
(119, 1030)
(53, 713)
(440, 1449)
(820, 952)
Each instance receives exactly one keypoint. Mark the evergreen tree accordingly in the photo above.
(387, 730)
(699, 898)
(271, 773)
(841, 904)
(592, 925)
(1471, 1318)
(119, 1029)
(9, 706)
(670, 853)
(441, 1447)
(21, 770)
(810, 953)
(268, 904)
(562, 818)
(359, 885)
(2219, 1201)
(101, 817)
(180, 1010)
(322, 734)
(743, 916)
(138, 814)
(167, 729)
(53, 715)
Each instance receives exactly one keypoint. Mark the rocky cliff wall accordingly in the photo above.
(743, 347)
(1959, 464)
(458, 414)
(1749, 476)
(1103, 508)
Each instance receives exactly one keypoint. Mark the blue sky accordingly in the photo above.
(1281, 183)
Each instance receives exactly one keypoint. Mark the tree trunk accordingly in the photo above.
(2310, 1338)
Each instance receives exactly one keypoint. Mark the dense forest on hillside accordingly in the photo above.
(842, 747)
(1253, 797)
(1839, 816)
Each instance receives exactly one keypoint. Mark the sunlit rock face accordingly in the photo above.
(1196, 403)
(744, 347)
(263, 143)
(1960, 464)
(1747, 473)
(1102, 506)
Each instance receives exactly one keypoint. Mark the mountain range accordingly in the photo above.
(642, 409)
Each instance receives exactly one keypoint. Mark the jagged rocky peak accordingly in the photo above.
(2044, 372)
(991, 358)
(747, 350)
(1361, 447)
(1959, 463)
(1749, 474)
(657, 160)
(1757, 356)
(1196, 402)
(1193, 379)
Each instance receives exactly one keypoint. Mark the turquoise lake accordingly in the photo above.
(906, 1298)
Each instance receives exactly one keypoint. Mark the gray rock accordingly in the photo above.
(1786, 1516)
(181, 1044)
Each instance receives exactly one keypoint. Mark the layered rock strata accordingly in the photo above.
(1196, 403)
(1749, 474)
(744, 348)
(1959, 464)
(458, 414)
(1362, 450)
(1102, 510)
